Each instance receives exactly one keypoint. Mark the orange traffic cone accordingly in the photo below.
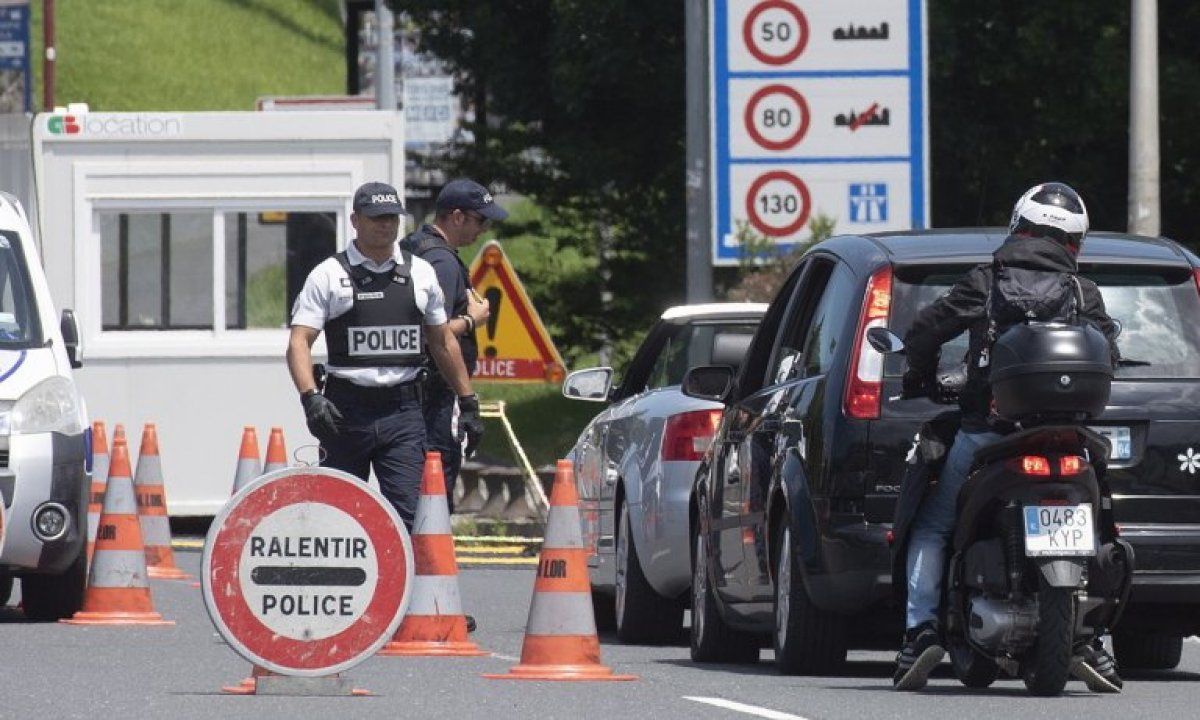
(152, 509)
(435, 624)
(118, 432)
(560, 637)
(249, 467)
(117, 591)
(276, 452)
(99, 480)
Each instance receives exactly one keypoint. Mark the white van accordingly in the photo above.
(45, 451)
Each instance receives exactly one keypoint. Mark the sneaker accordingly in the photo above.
(470, 623)
(921, 652)
(1096, 668)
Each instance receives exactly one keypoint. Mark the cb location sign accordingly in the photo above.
(306, 571)
(816, 108)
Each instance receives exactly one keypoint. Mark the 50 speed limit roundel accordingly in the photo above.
(775, 32)
(777, 117)
(306, 571)
(778, 204)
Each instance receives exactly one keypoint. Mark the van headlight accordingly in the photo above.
(50, 406)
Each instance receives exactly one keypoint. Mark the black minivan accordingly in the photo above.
(793, 504)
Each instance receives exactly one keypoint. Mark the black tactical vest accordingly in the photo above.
(383, 327)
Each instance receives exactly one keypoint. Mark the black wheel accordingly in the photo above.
(808, 640)
(971, 667)
(712, 639)
(54, 597)
(602, 608)
(1048, 664)
(641, 614)
(1147, 652)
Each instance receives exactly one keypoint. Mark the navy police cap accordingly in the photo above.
(377, 198)
(464, 194)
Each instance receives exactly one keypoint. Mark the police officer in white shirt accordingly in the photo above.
(374, 301)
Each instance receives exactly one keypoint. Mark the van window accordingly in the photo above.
(1157, 311)
(19, 327)
(913, 288)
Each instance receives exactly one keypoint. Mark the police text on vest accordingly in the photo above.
(385, 340)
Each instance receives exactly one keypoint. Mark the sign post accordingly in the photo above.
(817, 108)
(306, 573)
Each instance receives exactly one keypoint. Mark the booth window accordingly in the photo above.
(156, 270)
(268, 255)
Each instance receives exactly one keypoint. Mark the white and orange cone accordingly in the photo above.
(276, 452)
(435, 624)
(152, 510)
(119, 433)
(249, 467)
(99, 480)
(560, 637)
(118, 592)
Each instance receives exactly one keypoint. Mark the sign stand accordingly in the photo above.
(325, 686)
(496, 410)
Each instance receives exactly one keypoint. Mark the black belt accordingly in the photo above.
(375, 394)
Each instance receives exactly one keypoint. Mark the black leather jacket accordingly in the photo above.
(964, 308)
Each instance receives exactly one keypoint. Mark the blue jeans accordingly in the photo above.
(934, 526)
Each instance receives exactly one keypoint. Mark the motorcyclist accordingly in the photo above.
(1046, 232)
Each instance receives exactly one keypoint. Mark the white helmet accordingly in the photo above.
(1051, 210)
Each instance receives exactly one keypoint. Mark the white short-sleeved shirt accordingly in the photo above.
(328, 293)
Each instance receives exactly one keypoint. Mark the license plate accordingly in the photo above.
(1119, 440)
(1059, 530)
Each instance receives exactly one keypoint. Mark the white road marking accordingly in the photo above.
(744, 708)
(506, 657)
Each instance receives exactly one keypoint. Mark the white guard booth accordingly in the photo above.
(181, 240)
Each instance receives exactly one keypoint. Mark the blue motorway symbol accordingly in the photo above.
(868, 202)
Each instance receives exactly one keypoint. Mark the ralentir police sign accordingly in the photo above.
(306, 571)
(816, 107)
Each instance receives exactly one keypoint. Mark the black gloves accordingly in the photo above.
(470, 425)
(916, 385)
(321, 415)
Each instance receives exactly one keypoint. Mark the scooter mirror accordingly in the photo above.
(885, 341)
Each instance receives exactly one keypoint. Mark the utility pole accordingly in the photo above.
(1145, 209)
(50, 54)
(697, 173)
(385, 62)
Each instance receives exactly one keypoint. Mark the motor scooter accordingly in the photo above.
(1034, 568)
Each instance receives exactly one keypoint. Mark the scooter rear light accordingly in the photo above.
(1035, 465)
(1070, 465)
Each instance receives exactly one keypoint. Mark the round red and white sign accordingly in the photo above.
(306, 571)
(777, 117)
(778, 204)
(775, 32)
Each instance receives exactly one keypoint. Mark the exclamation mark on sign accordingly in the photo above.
(493, 295)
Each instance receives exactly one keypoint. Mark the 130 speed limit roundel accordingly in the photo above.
(778, 204)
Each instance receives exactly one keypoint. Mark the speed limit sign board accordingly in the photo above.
(306, 571)
(817, 109)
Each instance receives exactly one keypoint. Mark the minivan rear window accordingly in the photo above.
(19, 327)
(1156, 308)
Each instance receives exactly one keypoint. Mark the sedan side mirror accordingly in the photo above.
(70, 333)
(885, 341)
(592, 384)
(708, 382)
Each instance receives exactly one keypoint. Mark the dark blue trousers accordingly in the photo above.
(439, 429)
(384, 430)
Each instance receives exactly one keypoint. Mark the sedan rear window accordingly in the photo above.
(1156, 308)
(700, 344)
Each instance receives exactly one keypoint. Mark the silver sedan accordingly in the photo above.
(636, 460)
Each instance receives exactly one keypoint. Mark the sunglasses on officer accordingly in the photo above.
(482, 221)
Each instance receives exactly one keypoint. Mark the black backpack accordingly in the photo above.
(1021, 295)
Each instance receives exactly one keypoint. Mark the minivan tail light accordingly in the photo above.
(688, 435)
(864, 385)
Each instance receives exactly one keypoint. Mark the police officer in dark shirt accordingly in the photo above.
(463, 211)
(380, 308)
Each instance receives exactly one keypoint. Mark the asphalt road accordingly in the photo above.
(60, 671)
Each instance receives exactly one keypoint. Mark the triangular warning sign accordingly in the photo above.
(513, 344)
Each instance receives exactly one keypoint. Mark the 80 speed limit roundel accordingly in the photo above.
(777, 117)
(775, 32)
(778, 204)
(306, 571)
